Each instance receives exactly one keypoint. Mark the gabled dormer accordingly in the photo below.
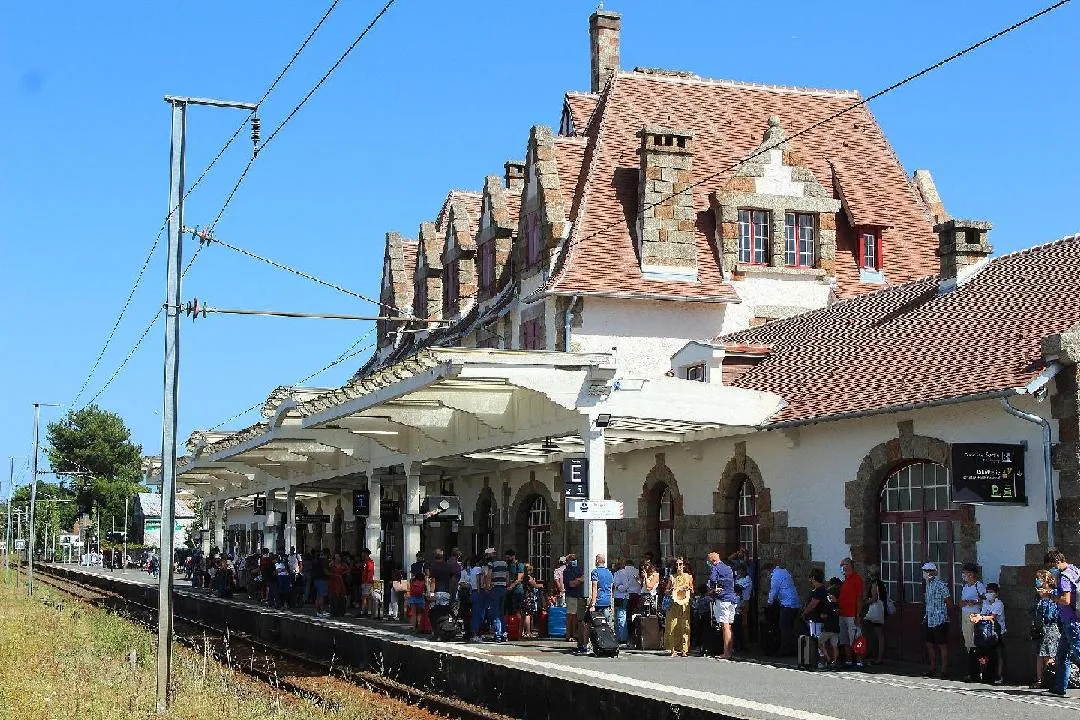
(459, 253)
(396, 291)
(773, 217)
(427, 278)
(543, 224)
(495, 239)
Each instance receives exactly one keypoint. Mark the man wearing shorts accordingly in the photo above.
(574, 579)
(368, 607)
(724, 599)
(850, 602)
(937, 601)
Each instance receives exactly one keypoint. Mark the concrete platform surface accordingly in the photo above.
(749, 689)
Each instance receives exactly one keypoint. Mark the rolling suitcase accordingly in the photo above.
(556, 622)
(512, 626)
(602, 637)
(337, 606)
(808, 652)
(648, 635)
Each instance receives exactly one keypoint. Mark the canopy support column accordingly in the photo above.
(270, 531)
(373, 521)
(411, 519)
(595, 530)
(217, 530)
(290, 519)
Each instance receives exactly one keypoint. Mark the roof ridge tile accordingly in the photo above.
(685, 77)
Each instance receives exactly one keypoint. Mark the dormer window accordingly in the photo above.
(696, 372)
(754, 237)
(487, 268)
(532, 241)
(870, 249)
(799, 239)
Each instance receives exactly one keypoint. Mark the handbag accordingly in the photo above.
(875, 613)
(986, 634)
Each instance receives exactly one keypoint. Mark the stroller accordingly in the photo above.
(446, 623)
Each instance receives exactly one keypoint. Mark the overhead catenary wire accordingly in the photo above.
(840, 113)
(236, 186)
(198, 181)
(347, 354)
(205, 238)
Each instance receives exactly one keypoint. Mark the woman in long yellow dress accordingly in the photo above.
(677, 630)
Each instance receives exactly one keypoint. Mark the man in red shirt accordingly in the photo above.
(850, 603)
(367, 582)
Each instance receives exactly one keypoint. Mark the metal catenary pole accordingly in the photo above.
(8, 539)
(123, 557)
(33, 501)
(172, 367)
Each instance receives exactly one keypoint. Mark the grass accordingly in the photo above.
(75, 664)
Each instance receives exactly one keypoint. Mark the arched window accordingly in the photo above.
(539, 529)
(918, 524)
(486, 521)
(747, 514)
(666, 524)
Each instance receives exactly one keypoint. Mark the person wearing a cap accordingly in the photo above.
(936, 618)
(560, 587)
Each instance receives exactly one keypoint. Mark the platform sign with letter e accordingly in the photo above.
(575, 475)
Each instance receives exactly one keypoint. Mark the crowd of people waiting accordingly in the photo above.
(660, 606)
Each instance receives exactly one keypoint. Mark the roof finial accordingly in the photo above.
(774, 134)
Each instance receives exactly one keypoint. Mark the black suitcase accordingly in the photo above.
(808, 652)
(337, 606)
(768, 638)
(602, 637)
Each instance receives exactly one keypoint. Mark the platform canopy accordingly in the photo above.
(460, 411)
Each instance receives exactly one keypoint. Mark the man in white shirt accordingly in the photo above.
(626, 580)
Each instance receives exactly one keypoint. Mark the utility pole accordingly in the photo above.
(172, 368)
(123, 557)
(33, 500)
(8, 539)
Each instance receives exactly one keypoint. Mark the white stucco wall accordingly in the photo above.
(806, 470)
(645, 333)
(774, 296)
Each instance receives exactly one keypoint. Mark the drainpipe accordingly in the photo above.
(566, 322)
(1036, 388)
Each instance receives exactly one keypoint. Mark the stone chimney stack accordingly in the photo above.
(963, 246)
(604, 46)
(514, 175)
(666, 217)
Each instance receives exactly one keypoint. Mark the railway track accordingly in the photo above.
(311, 679)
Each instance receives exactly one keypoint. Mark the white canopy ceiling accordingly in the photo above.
(462, 410)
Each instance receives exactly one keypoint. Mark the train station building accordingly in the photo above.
(748, 330)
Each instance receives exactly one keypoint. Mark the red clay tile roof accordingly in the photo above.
(905, 344)
(570, 157)
(470, 199)
(582, 106)
(728, 120)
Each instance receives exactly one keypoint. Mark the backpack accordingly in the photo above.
(1072, 574)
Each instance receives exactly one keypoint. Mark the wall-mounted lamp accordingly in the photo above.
(603, 420)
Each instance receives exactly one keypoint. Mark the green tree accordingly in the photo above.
(97, 444)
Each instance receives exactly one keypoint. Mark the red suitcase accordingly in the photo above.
(512, 626)
(541, 624)
(425, 622)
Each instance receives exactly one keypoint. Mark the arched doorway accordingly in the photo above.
(538, 552)
(917, 523)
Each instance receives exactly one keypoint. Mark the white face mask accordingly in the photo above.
(927, 576)
(991, 596)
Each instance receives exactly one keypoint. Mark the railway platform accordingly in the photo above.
(541, 679)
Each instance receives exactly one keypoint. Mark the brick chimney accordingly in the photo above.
(665, 206)
(604, 46)
(963, 246)
(514, 176)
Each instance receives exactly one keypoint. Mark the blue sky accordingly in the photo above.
(439, 95)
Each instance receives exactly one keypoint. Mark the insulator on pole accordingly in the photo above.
(255, 134)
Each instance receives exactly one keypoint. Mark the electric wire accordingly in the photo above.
(247, 167)
(347, 354)
(205, 239)
(157, 240)
(840, 113)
